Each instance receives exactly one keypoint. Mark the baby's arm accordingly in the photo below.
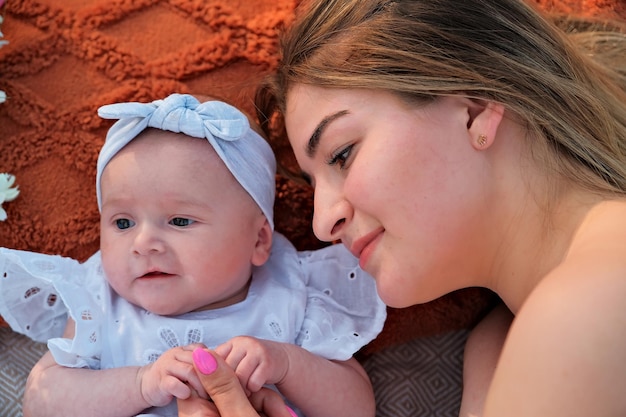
(52, 390)
(55, 390)
(317, 386)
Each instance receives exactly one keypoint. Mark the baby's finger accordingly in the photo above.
(193, 347)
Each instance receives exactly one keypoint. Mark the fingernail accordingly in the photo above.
(293, 413)
(205, 362)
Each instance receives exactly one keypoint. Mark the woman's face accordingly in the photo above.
(399, 184)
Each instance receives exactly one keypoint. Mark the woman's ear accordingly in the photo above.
(263, 246)
(485, 117)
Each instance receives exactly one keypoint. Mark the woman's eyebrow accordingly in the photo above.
(313, 143)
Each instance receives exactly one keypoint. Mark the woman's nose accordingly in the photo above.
(148, 240)
(331, 212)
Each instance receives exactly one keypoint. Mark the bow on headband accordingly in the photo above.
(245, 153)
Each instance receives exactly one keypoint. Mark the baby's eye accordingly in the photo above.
(340, 158)
(124, 223)
(180, 221)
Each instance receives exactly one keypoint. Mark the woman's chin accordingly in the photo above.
(394, 297)
(398, 296)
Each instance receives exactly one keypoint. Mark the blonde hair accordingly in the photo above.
(554, 81)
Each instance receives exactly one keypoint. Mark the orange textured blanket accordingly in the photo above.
(67, 58)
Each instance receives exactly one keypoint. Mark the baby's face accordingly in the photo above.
(178, 232)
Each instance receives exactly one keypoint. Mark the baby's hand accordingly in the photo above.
(171, 376)
(256, 361)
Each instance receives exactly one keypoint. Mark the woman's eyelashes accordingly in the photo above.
(340, 158)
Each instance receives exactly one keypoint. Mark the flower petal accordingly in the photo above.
(11, 194)
(6, 192)
(6, 181)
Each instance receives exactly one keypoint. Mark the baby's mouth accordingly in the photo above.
(156, 274)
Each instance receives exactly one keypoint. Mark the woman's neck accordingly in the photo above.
(538, 240)
(534, 214)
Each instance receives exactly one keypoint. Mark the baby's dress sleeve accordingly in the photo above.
(343, 311)
(39, 291)
(29, 302)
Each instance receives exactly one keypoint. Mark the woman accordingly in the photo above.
(455, 144)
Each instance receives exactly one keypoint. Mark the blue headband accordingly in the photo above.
(244, 152)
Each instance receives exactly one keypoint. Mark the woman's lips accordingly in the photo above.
(367, 251)
(363, 247)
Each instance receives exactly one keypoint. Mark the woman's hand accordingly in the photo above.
(227, 395)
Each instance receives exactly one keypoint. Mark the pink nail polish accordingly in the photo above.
(205, 362)
(293, 413)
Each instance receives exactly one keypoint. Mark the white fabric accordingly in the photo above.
(320, 300)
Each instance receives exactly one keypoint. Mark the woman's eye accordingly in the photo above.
(124, 223)
(341, 157)
(180, 221)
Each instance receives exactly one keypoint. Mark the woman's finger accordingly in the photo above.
(222, 385)
(270, 403)
(194, 406)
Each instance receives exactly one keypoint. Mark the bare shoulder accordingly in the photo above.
(565, 353)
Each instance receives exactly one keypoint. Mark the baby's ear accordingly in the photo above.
(263, 245)
(485, 117)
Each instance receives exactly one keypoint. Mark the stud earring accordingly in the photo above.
(482, 139)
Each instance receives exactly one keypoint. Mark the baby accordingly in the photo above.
(189, 258)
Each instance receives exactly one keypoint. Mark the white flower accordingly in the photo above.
(6, 192)
(1, 34)
(3, 96)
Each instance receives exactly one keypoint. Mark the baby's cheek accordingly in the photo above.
(114, 268)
